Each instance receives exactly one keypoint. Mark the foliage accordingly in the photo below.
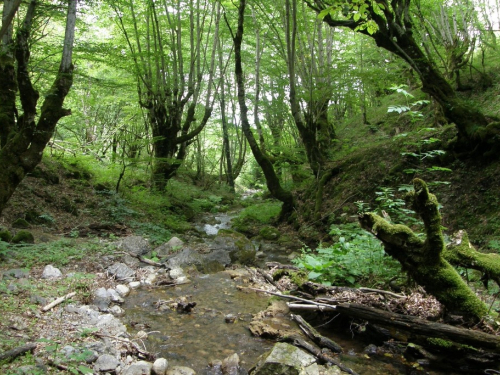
(407, 109)
(356, 258)
(58, 253)
(261, 213)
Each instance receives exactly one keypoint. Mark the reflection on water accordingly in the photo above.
(195, 339)
(223, 223)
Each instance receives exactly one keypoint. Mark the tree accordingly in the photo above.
(172, 74)
(424, 260)
(390, 24)
(24, 134)
(272, 180)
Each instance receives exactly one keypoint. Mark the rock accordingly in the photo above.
(110, 324)
(115, 297)
(230, 318)
(240, 248)
(20, 224)
(134, 284)
(270, 233)
(231, 365)
(215, 261)
(135, 245)
(187, 257)
(172, 246)
(121, 271)
(175, 273)
(122, 290)
(102, 299)
(182, 280)
(50, 272)
(116, 310)
(5, 235)
(138, 368)
(105, 363)
(141, 335)
(23, 236)
(18, 273)
(150, 279)
(180, 370)
(260, 254)
(160, 366)
(284, 359)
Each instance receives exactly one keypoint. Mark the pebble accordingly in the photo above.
(160, 366)
(122, 290)
(134, 284)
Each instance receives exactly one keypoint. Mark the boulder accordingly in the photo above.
(102, 299)
(121, 271)
(284, 359)
(187, 257)
(50, 272)
(135, 245)
(239, 247)
(23, 236)
(105, 363)
(160, 366)
(138, 368)
(172, 246)
(270, 233)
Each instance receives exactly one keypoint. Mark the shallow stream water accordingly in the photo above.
(203, 335)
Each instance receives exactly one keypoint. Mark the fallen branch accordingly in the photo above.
(144, 260)
(290, 297)
(13, 353)
(321, 341)
(58, 301)
(297, 341)
(380, 291)
(301, 306)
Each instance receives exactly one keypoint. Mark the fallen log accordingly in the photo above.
(13, 353)
(422, 327)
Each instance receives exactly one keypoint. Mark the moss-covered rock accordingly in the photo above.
(270, 233)
(20, 224)
(23, 236)
(239, 247)
(5, 235)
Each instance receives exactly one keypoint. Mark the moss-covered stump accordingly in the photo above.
(461, 253)
(423, 259)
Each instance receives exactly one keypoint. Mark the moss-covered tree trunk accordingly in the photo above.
(395, 34)
(272, 180)
(24, 134)
(423, 259)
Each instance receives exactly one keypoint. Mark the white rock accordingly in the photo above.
(141, 335)
(180, 370)
(182, 280)
(134, 284)
(50, 272)
(116, 310)
(175, 273)
(122, 290)
(160, 366)
(115, 297)
(150, 279)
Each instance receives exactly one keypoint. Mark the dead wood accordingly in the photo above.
(13, 353)
(422, 327)
(321, 341)
(58, 301)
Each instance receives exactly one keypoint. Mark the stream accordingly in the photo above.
(218, 325)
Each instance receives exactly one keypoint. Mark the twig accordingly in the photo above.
(368, 290)
(58, 301)
(136, 346)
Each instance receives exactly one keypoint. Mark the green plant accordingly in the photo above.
(407, 109)
(72, 361)
(356, 257)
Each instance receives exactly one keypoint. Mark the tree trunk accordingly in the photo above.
(272, 180)
(24, 143)
(423, 259)
(395, 34)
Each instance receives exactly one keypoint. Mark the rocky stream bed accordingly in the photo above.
(191, 310)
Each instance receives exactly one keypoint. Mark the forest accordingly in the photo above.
(333, 158)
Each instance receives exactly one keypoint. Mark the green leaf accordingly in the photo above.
(313, 275)
(85, 370)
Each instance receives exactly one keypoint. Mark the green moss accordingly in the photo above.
(440, 342)
(270, 233)
(20, 223)
(23, 236)
(5, 235)
(297, 277)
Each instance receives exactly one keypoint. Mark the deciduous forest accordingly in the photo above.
(179, 180)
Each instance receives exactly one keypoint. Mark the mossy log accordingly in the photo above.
(461, 253)
(423, 259)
